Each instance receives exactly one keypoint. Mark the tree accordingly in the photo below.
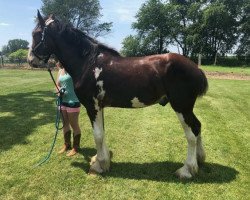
(244, 29)
(140, 45)
(14, 45)
(159, 24)
(82, 14)
(185, 15)
(5, 50)
(19, 56)
(131, 46)
(207, 27)
(153, 26)
(1, 58)
(219, 28)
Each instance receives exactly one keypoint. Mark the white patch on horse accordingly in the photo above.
(97, 72)
(100, 55)
(96, 104)
(100, 162)
(111, 63)
(190, 167)
(49, 21)
(101, 93)
(136, 103)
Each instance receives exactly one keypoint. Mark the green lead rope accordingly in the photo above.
(57, 123)
(58, 114)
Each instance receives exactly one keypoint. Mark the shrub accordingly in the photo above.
(19, 56)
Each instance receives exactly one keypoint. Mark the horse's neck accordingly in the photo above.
(74, 64)
(71, 66)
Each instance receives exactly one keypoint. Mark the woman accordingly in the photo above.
(70, 108)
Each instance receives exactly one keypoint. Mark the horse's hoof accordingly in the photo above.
(186, 172)
(99, 166)
(92, 173)
(95, 166)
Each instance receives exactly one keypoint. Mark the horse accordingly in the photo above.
(103, 78)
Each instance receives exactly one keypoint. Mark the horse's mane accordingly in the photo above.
(85, 44)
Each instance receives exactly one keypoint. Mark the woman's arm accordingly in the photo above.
(57, 81)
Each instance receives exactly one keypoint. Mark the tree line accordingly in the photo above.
(210, 28)
(206, 27)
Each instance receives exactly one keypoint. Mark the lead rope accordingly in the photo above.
(57, 123)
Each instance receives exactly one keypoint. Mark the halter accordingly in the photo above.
(42, 42)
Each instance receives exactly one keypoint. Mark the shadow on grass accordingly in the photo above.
(21, 113)
(161, 171)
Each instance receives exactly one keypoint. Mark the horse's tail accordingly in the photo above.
(186, 75)
(202, 84)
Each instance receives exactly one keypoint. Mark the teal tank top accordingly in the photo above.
(66, 82)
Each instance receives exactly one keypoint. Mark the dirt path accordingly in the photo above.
(230, 76)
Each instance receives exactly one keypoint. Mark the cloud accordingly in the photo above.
(125, 14)
(4, 24)
(121, 10)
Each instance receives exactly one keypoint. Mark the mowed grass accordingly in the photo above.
(148, 146)
(225, 69)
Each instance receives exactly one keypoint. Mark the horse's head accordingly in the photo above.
(42, 40)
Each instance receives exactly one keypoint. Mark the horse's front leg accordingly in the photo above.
(101, 161)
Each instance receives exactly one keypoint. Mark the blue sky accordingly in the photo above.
(17, 19)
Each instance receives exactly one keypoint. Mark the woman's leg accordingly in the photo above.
(74, 123)
(66, 132)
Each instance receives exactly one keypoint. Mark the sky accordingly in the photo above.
(17, 19)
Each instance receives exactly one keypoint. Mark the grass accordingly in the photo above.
(148, 146)
(225, 69)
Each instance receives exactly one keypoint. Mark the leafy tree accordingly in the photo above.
(82, 14)
(140, 45)
(1, 58)
(159, 24)
(153, 26)
(219, 30)
(244, 29)
(186, 15)
(14, 45)
(19, 56)
(5, 50)
(131, 46)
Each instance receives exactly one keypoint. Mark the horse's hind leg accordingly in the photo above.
(191, 126)
(200, 152)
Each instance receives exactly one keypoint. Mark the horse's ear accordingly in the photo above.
(40, 18)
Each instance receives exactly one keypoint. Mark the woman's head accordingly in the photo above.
(59, 65)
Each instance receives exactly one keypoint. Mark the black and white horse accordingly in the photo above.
(103, 78)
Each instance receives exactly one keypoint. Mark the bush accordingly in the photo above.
(19, 56)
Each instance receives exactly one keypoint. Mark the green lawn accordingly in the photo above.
(225, 69)
(148, 146)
